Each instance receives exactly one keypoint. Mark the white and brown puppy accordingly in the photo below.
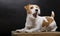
(35, 23)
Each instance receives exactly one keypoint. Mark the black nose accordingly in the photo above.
(36, 10)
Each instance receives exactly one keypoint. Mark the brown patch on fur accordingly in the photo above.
(29, 12)
(27, 9)
(47, 23)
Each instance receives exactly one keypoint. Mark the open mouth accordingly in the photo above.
(35, 14)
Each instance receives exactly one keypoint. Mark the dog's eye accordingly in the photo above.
(31, 8)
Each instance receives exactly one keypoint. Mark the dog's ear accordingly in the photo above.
(27, 7)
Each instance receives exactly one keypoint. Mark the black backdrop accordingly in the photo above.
(13, 14)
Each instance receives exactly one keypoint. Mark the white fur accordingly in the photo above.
(38, 22)
(53, 25)
(52, 14)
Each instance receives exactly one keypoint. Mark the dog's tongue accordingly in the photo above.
(35, 14)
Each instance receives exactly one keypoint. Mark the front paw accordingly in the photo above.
(28, 31)
(18, 30)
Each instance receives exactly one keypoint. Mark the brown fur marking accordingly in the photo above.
(47, 23)
(27, 9)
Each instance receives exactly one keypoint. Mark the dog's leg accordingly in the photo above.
(53, 30)
(35, 29)
(53, 26)
(20, 30)
(32, 30)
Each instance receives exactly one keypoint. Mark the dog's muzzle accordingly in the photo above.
(36, 10)
(35, 14)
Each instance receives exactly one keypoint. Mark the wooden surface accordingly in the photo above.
(36, 34)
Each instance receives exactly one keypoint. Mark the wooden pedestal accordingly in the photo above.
(36, 34)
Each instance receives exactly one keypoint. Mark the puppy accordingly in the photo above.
(36, 23)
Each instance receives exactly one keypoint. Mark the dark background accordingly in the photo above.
(13, 14)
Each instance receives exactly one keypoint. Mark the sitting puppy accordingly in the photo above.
(36, 23)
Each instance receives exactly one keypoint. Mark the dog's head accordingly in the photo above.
(32, 9)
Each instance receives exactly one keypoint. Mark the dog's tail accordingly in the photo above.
(53, 15)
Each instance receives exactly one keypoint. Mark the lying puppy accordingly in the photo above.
(36, 23)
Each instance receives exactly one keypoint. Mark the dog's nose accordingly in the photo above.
(36, 10)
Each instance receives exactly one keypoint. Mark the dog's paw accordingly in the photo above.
(28, 31)
(18, 31)
(53, 31)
